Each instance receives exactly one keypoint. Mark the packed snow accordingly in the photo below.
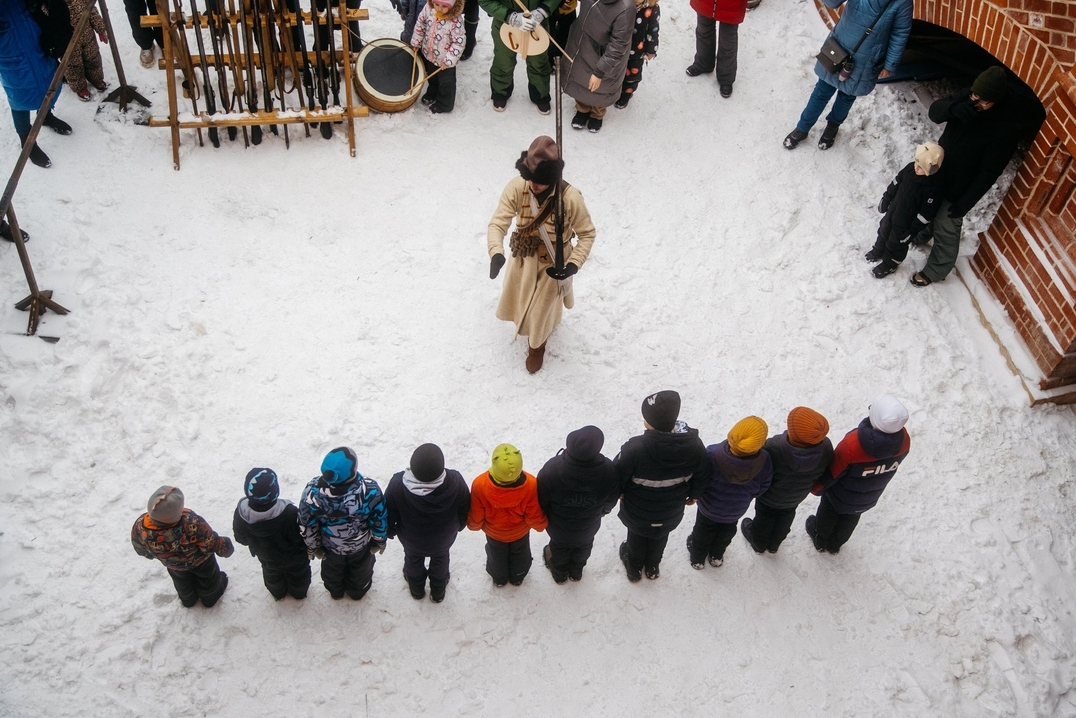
(262, 306)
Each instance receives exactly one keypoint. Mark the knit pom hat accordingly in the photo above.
(427, 462)
(339, 466)
(661, 410)
(165, 506)
(928, 157)
(506, 465)
(806, 427)
(991, 84)
(540, 163)
(261, 488)
(748, 436)
(887, 414)
(585, 444)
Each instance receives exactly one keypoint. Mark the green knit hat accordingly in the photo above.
(991, 84)
(507, 464)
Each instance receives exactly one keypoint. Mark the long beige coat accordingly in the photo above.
(529, 296)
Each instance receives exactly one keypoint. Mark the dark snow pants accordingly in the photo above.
(352, 574)
(710, 538)
(287, 580)
(833, 529)
(771, 526)
(717, 48)
(205, 581)
(415, 570)
(143, 36)
(567, 561)
(508, 562)
(441, 88)
(646, 550)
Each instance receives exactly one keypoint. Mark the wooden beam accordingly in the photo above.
(353, 14)
(285, 117)
(227, 59)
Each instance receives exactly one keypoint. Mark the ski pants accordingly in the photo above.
(415, 570)
(501, 80)
(716, 47)
(568, 560)
(352, 574)
(770, 527)
(646, 550)
(888, 242)
(287, 580)
(143, 36)
(710, 538)
(441, 87)
(508, 562)
(205, 581)
(833, 529)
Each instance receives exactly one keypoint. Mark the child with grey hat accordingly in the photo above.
(185, 544)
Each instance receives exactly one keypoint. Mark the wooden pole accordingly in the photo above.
(37, 301)
(345, 38)
(124, 93)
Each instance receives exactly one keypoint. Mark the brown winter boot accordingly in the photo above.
(535, 357)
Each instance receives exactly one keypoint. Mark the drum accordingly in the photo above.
(388, 75)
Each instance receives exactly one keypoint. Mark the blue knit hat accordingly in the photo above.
(262, 489)
(339, 466)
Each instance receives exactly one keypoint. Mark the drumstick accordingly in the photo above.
(527, 13)
(414, 66)
(413, 86)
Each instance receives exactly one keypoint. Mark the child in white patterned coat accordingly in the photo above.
(439, 38)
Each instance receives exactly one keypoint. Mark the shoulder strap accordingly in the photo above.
(871, 28)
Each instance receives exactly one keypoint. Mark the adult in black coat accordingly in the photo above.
(575, 489)
(660, 472)
(427, 506)
(269, 526)
(800, 457)
(982, 126)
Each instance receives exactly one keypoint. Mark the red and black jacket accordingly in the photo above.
(863, 464)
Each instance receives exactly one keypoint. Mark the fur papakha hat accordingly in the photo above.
(540, 163)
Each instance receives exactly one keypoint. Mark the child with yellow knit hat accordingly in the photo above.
(504, 505)
(741, 471)
(800, 456)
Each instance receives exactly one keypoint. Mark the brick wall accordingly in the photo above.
(1027, 257)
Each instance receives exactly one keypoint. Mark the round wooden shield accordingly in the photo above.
(534, 42)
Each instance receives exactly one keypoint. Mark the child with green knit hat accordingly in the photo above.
(504, 505)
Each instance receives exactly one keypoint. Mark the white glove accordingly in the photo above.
(524, 23)
(539, 15)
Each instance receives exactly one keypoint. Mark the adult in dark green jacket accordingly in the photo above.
(501, 80)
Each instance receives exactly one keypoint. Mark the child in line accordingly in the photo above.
(427, 506)
(269, 525)
(575, 489)
(741, 471)
(85, 62)
(342, 519)
(800, 456)
(644, 47)
(504, 505)
(910, 203)
(439, 37)
(185, 544)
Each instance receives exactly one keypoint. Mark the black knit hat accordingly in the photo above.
(261, 488)
(991, 84)
(540, 163)
(661, 410)
(584, 445)
(428, 462)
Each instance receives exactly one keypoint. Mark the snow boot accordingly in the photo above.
(697, 566)
(594, 124)
(745, 529)
(885, 268)
(56, 124)
(579, 120)
(793, 138)
(37, 155)
(471, 30)
(547, 558)
(625, 98)
(535, 357)
(5, 232)
(812, 530)
(694, 70)
(918, 280)
(876, 254)
(437, 590)
(829, 136)
(211, 600)
(725, 90)
(417, 587)
(652, 572)
(633, 575)
(146, 58)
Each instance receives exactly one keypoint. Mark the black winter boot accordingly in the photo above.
(887, 267)
(874, 255)
(5, 232)
(471, 30)
(625, 98)
(56, 124)
(37, 155)
(829, 136)
(793, 138)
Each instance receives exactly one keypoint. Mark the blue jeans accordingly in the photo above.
(819, 99)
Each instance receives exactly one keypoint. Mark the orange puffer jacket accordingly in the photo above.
(505, 513)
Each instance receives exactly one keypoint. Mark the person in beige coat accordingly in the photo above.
(531, 297)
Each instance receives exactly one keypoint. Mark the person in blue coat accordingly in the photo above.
(877, 58)
(25, 72)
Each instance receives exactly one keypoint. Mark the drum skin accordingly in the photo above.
(387, 76)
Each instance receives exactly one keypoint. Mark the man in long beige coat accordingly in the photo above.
(531, 297)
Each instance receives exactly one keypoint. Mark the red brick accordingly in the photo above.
(1060, 24)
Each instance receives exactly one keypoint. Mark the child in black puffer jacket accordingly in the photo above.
(909, 204)
(269, 526)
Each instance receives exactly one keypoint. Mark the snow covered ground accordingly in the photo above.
(263, 306)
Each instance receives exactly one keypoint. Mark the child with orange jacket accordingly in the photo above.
(504, 505)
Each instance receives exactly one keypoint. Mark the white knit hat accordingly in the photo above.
(928, 157)
(887, 414)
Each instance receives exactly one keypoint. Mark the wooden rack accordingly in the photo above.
(188, 63)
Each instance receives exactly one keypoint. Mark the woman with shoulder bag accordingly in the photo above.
(873, 33)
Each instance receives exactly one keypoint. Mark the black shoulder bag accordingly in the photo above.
(835, 58)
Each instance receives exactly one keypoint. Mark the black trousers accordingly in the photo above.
(716, 45)
(287, 580)
(566, 560)
(559, 27)
(508, 562)
(352, 574)
(646, 550)
(888, 241)
(143, 36)
(205, 581)
(833, 529)
(441, 87)
(771, 526)
(415, 568)
(710, 538)
(353, 27)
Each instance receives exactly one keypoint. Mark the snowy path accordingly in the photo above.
(261, 307)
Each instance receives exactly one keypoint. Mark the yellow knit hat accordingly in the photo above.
(506, 465)
(748, 436)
